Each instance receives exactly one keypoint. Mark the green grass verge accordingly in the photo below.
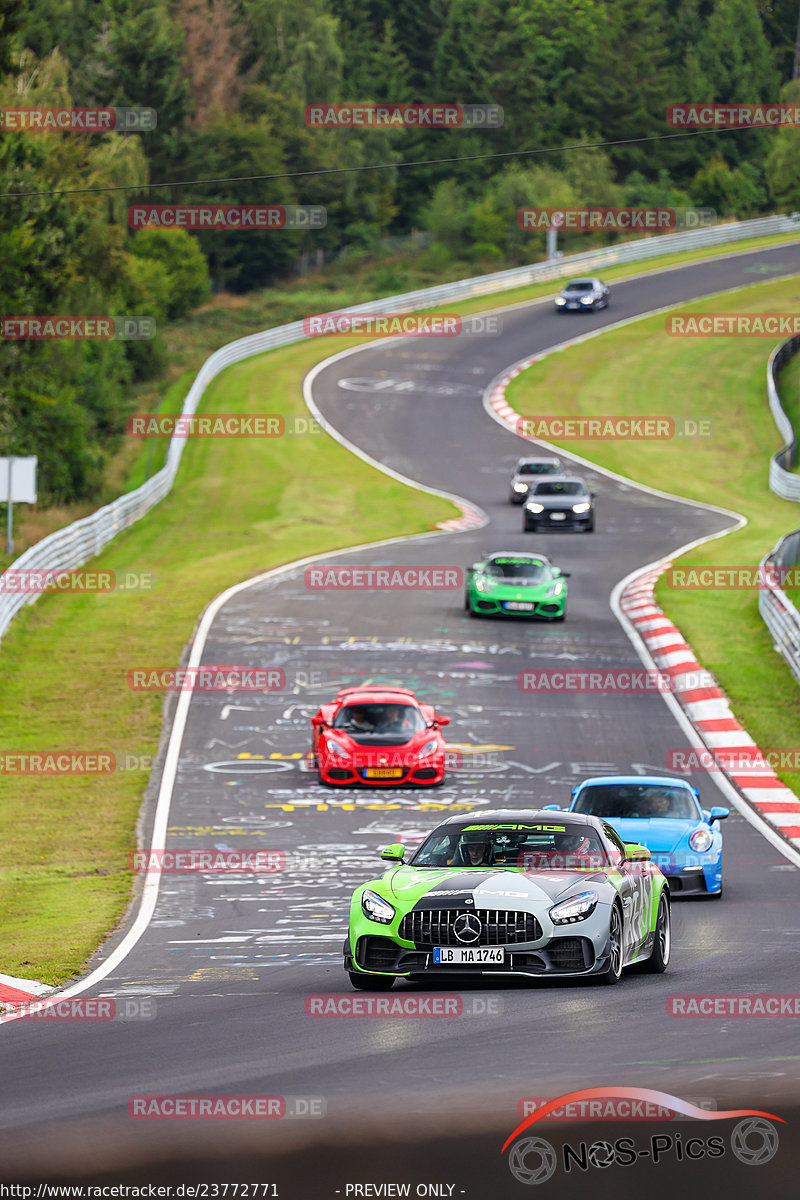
(238, 508)
(641, 371)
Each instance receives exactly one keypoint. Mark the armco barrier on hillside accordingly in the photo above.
(77, 543)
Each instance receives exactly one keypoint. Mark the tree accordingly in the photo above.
(783, 161)
(185, 267)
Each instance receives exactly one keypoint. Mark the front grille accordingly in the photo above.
(339, 773)
(426, 773)
(569, 954)
(434, 927)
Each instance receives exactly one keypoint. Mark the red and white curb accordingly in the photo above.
(699, 695)
(471, 518)
(707, 707)
(21, 991)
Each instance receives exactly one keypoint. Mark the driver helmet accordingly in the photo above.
(568, 843)
(475, 837)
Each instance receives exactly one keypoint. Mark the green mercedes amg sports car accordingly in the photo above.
(504, 892)
(516, 585)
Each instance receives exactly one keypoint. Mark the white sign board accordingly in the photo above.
(23, 480)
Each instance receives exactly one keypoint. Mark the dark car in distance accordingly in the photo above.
(562, 503)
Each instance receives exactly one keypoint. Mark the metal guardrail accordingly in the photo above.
(75, 544)
(782, 480)
(777, 611)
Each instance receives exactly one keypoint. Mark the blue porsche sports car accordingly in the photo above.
(664, 814)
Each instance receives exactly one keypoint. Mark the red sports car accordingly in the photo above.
(381, 736)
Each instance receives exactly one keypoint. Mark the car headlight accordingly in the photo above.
(576, 908)
(520, 487)
(428, 749)
(701, 840)
(584, 506)
(560, 300)
(334, 748)
(587, 299)
(481, 584)
(556, 589)
(537, 508)
(377, 909)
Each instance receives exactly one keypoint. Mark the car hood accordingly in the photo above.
(445, 887)
(657, 833)
(517, 589)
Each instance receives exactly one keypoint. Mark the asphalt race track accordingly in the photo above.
(229, 960)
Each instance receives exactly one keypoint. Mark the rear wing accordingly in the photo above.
(383, 688)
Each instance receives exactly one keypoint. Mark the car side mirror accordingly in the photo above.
(719, 812)
(565, 574)
(318, 721)
(442, 721)
(636, 853)
(593, 495)
(393, 853)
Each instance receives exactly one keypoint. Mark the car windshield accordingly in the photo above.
(397, 719)
(556, 846)
(538, 468)
(579, 285)
(532, 569)
(560, 488)
(641, 801)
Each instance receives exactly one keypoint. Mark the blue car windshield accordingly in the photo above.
(638, 801)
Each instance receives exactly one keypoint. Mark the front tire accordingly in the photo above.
(613, 972)
(658, 960)
(528, 528)
(371, 983)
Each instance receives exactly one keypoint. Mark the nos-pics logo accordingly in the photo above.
(533, 1160)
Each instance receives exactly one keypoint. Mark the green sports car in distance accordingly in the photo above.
(516, 585)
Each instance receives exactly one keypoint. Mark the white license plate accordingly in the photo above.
(519, 605)
(469, 955)
(558, 516)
